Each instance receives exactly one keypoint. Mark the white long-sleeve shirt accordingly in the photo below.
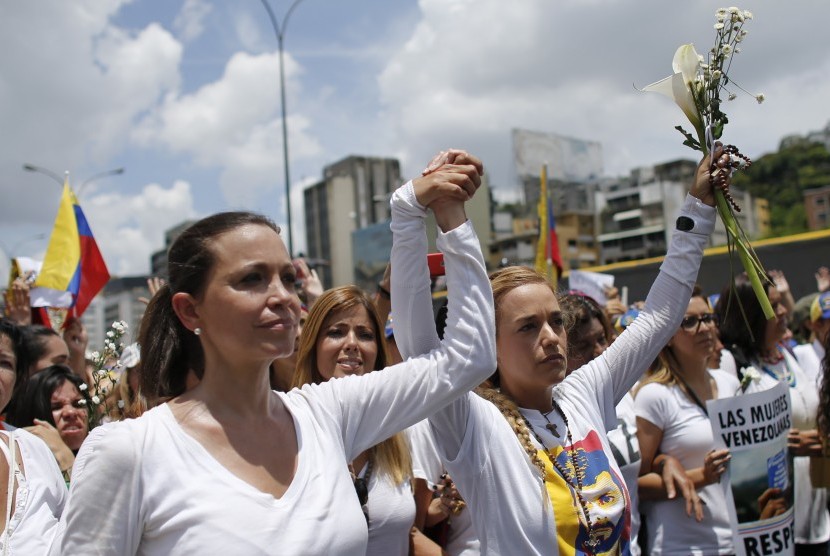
(144, 486)
(504, 490)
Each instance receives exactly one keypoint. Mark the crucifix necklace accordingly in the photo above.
(550, 426)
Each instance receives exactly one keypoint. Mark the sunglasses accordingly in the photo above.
(692, 322)
(362, 489)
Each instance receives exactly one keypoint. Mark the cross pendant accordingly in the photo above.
(553, 430)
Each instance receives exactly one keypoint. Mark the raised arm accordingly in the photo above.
(613, 373)
(377, 405)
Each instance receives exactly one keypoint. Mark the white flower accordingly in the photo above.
(718, 26)
(83, 387)
(717, 74)
(733, 10)
(678, 86)
(110, 334)
(760, 97)
(721, 12)
(732, 96)
(96, 400)
(102, 373)
(751, 374)
(120, 404)
(747, 14)
(95, 356)
(726, 49)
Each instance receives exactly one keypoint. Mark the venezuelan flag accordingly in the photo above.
(548, 258)
(73, 263)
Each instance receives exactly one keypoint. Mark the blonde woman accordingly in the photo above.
(343, 336)
(529, 452)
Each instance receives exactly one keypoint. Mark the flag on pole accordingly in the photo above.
(548, 259)
(73, 264)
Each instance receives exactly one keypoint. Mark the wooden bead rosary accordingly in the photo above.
(720, 171)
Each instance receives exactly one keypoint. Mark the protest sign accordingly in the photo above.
(759, 484)
(592, 284)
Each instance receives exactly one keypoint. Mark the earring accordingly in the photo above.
(197, 331)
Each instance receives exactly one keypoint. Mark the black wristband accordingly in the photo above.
(685, 224)
(383, 292)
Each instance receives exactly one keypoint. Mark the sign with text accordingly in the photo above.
(760, 480)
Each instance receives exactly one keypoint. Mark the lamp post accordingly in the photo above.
(57, 178)
(279, 31)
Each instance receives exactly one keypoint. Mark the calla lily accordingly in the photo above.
(679, 86)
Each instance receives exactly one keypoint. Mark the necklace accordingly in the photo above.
(578, 472)
(550, 426)
(361, 487)
(787, 376)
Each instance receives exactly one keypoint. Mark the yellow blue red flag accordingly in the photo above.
(73, 263)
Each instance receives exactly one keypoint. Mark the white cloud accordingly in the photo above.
(190, 22)
(473, 69)
(71, 87)
(129, 228)
(233, 124)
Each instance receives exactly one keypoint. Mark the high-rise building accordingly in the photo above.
(353, 194)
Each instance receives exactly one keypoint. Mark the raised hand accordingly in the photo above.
(703, 188)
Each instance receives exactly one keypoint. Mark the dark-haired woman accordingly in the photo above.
(45, 347)
(529, 453)
(33, 493)
(760, 348)
(53, 406)
(230, 466)
(343, 336)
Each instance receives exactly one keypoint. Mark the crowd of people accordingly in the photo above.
(268, 416)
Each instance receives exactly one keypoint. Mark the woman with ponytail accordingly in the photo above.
(529, 453)
(230, 466)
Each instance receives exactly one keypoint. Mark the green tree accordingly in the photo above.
(782, 177)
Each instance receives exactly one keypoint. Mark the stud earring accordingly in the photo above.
(197, 331)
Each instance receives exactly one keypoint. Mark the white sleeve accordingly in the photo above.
(371, 408)
(102, 515)
(608, 377)
(412, 308)
(651, 404)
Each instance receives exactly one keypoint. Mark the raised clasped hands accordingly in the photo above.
(448, 181)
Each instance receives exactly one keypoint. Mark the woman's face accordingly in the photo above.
(70, 415)
(8, 370)
(56, 353)
(588, 344)
(531, 343)
(695, 340)
(347, 343)
(777, 327)
(249, 309)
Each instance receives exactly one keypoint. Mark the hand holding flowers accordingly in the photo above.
(696, 86)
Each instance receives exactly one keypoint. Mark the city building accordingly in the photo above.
(817, 206)
(353, 194)
(158, 260)
(636, 214)
(119, 300)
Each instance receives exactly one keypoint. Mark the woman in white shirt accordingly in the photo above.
(33, 494)
(343, 336)
(231, 466)
(672, 419)
(762, 350)
(529, 454)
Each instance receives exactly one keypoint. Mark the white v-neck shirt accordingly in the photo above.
(143, 486)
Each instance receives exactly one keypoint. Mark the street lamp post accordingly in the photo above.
(279, 31)
(57, 178)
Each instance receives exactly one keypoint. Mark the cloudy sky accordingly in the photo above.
(184, 94)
